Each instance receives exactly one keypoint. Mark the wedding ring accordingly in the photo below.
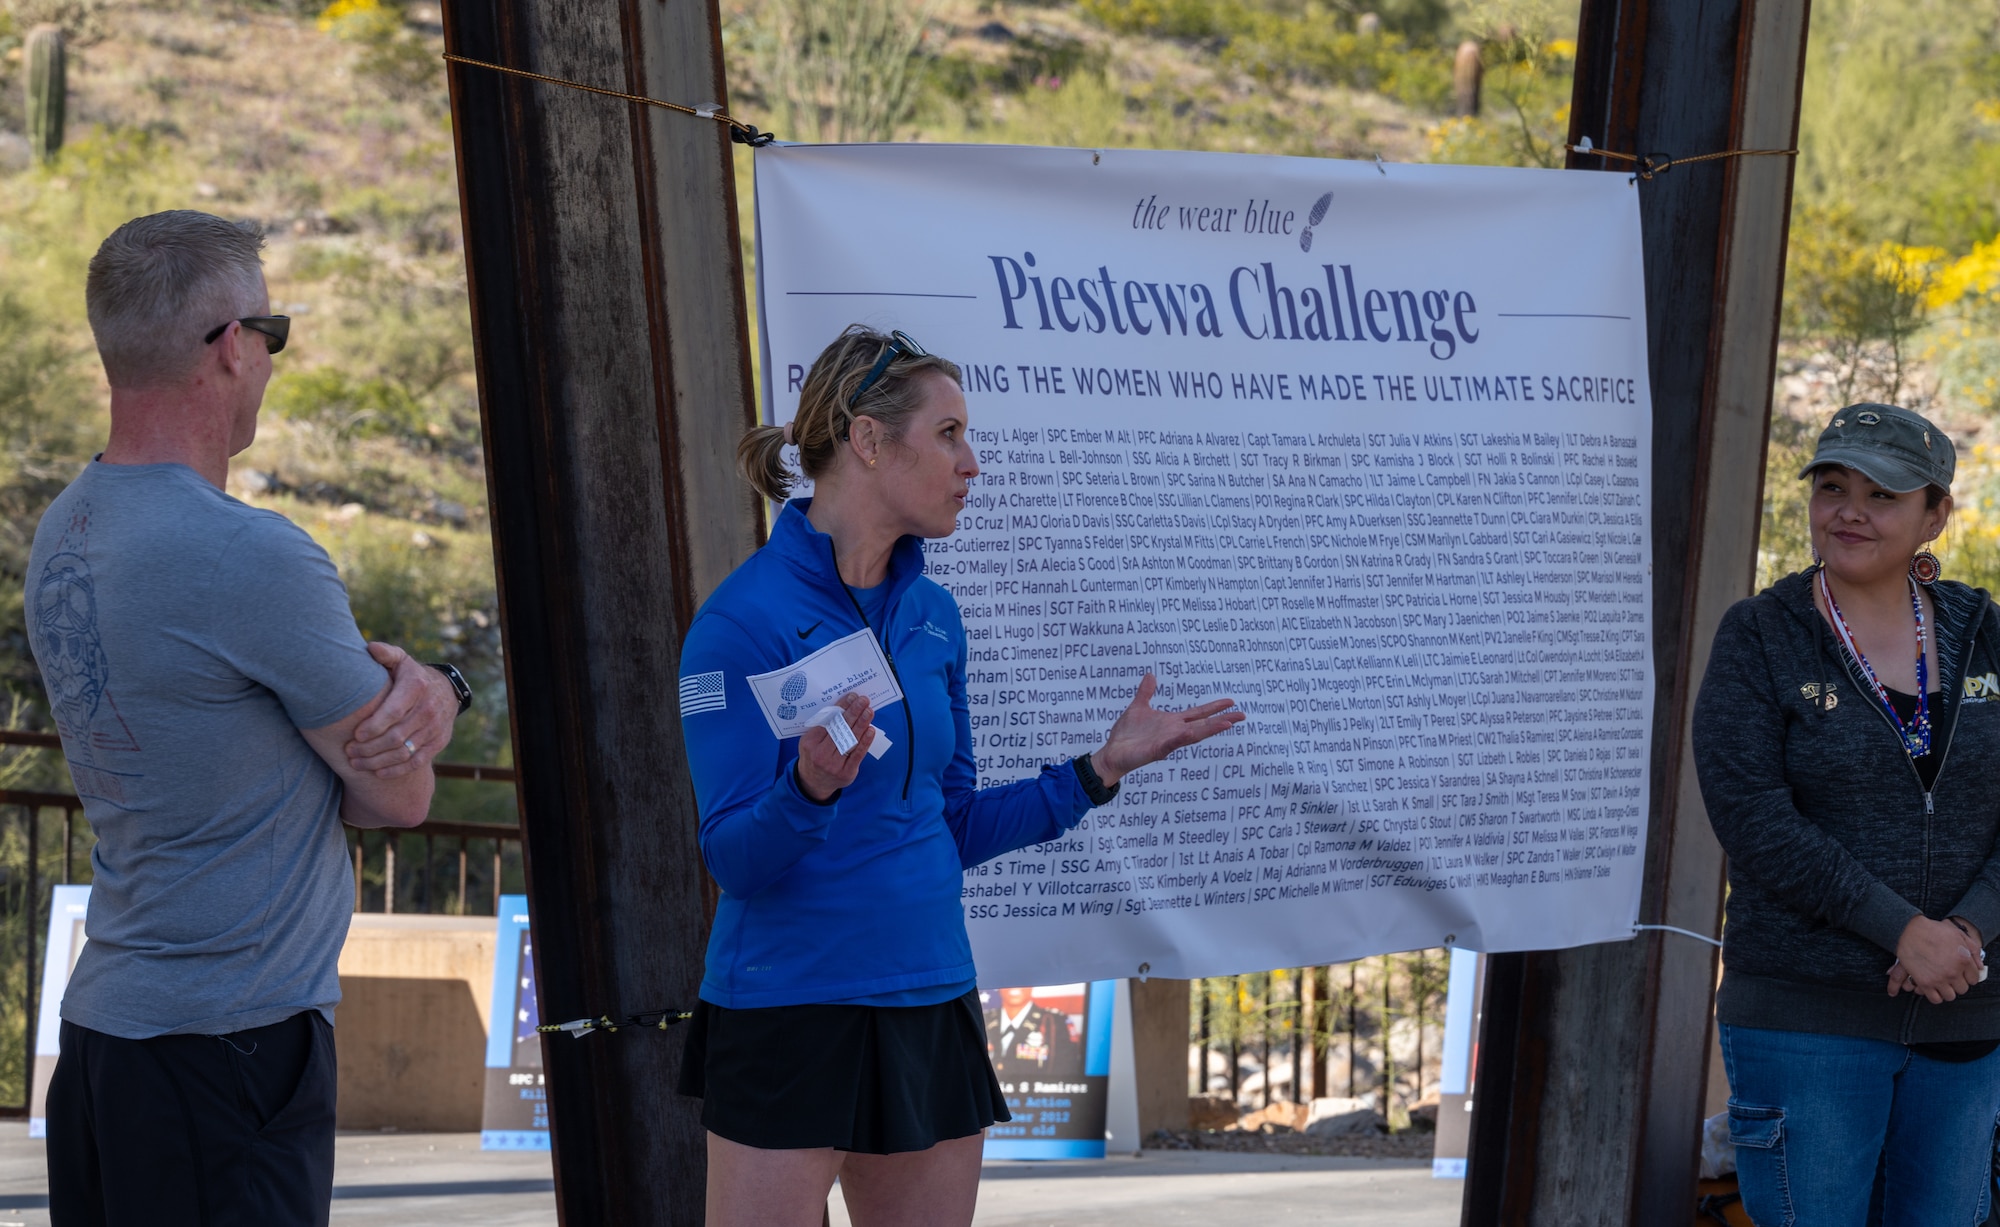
(411, 746)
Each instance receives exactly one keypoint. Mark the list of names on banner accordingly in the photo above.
(1439, 636)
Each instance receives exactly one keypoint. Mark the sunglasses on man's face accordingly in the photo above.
(274, 327)
(900, 345)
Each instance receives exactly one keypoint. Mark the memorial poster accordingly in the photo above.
(516, 1114)
(1050, 1045)
(1365, 447)
(68, 907)
(1463, 997)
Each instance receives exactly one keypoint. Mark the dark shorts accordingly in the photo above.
(875, 1080)
(203, 1130)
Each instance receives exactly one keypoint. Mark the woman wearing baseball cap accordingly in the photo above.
(1845, 737)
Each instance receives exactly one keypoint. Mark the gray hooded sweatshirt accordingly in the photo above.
(1833, 843)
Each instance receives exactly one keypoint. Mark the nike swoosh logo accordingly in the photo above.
(810, 629)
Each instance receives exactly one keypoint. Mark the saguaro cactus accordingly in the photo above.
(46, 90)
(1465, 74)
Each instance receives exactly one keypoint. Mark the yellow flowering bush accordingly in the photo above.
(1971, 280)
(342, 12)
(390, 52)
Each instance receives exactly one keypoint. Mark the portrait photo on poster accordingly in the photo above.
(1051, 1049)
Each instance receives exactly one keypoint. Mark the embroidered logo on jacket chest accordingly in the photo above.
(1982, 689)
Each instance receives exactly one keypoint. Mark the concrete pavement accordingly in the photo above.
(1171, 1187)
(444, 1179)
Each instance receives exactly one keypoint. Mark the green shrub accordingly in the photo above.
(347, 408)
(1308, 45)
(839, 70)
(391, 54)
(1189, 19)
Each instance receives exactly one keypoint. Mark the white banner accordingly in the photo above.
(1367, 449)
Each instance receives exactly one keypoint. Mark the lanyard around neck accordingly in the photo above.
(1916, 733)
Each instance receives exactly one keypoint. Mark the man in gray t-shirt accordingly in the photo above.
(185, 639)
(222, 717)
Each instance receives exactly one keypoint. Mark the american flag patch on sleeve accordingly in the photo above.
(702, 692)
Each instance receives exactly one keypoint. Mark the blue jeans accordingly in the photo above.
(1816, 1119)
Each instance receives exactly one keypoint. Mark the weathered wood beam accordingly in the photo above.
(614, 379)
(1593, 1062)
(1160, 1053)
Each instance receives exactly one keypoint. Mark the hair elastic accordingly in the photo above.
(789, 441)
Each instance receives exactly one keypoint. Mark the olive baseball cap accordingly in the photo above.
(1890, 446)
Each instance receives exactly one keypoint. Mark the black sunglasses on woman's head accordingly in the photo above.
(900, 345)
(274, 327)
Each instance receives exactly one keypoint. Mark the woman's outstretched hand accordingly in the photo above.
(824, 770)
(1932, 958)
(1144, 734)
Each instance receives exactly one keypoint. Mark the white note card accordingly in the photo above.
(790, 697)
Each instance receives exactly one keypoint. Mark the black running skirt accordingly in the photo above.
(877, 1080)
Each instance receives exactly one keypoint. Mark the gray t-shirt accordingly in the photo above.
(185, 639)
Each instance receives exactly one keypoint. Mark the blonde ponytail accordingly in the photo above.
(824, 416)
(760, 457)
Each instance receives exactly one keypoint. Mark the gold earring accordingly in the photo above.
(871, 464)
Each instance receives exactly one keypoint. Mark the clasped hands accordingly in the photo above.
(1938, 958)
(1142, 734)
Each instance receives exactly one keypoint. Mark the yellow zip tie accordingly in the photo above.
(740, 132)
(651, 1020)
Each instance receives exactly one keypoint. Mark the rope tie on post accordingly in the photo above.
(740, 132)
(1649, 165)
(645, 1020)
(1700, 937)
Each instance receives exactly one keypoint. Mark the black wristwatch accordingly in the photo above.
(457, 681)
(1093, 784)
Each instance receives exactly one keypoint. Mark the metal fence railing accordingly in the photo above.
(458, 868)
(39, 849)
(1373, 1028)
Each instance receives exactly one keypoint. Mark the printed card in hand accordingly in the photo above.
(792, 697)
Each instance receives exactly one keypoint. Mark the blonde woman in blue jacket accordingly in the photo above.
(839, 1030)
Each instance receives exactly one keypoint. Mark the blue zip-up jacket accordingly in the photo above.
(859, 897)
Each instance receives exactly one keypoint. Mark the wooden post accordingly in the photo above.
(1388, 1056)
(1322, 1026)
(1592, 1063)
(1300, 1006)
(1159, 1053)
(1353, 1023)
(1235, 1040)
(1201, 1079)
(614, 379)
(1264, 1032)
(1419, 986)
